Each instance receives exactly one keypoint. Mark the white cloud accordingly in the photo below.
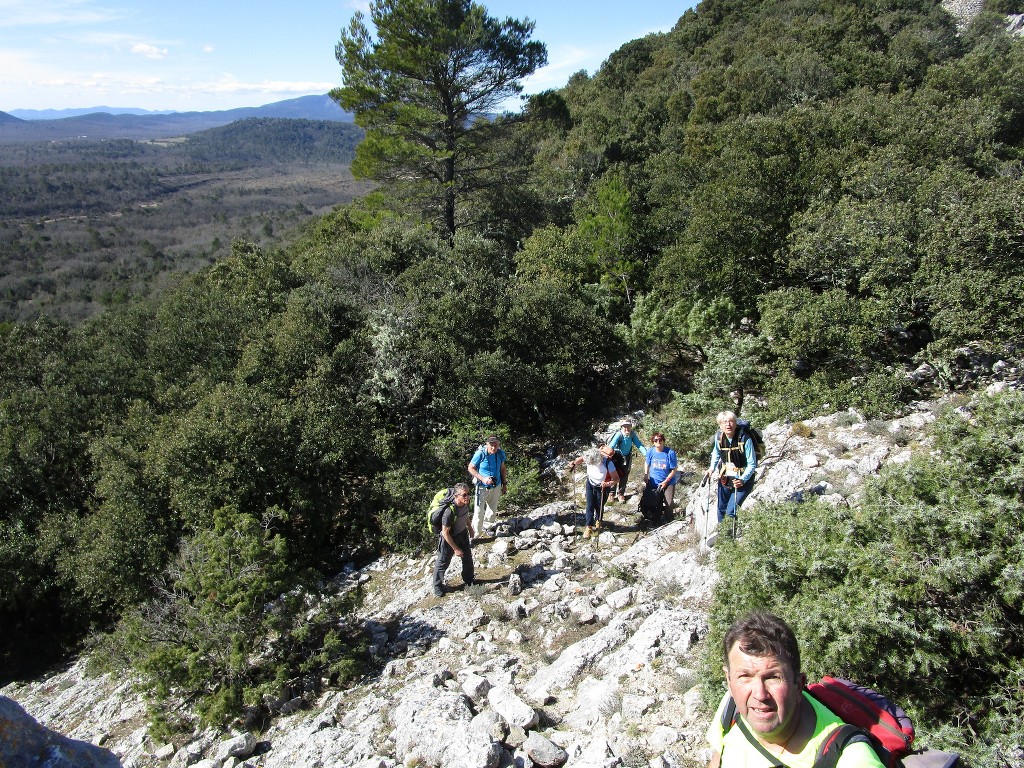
(149, 51)
(563, 62)
(229, 86)
(208, 49)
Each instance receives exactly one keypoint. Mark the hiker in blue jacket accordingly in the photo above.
(623, 442)
(660, 466)
(488, 470)
(734, 458)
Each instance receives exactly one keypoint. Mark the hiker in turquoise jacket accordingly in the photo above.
(622, 443)
(734, 459)
(777, 722)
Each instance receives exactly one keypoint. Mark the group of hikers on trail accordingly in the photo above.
(608, 466)
(769, 717)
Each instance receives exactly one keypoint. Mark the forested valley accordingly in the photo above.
(88, 224)
(787, 208)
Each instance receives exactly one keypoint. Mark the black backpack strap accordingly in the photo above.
(832, 748)
(773, 759)
(729, 719)
(829, 751)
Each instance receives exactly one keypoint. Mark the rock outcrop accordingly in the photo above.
(571, 651)
(27, 744)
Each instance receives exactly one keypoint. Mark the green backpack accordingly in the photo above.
(436, 509)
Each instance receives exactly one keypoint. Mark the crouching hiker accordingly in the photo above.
(734, 456)
(601, 478)
(454, 540)
(774, 721)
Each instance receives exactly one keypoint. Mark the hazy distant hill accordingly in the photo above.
(58, 114)
(103, 125)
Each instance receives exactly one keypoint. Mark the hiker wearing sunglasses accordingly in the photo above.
(454, 539)
(660, 467)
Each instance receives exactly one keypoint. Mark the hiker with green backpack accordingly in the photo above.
(450, 520)
(776, 722)
(734, 456)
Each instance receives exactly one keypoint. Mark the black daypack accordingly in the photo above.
(745, 429)
(652, 504)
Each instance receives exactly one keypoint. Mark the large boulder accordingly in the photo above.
(25, 743)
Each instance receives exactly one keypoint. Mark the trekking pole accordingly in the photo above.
(707, 508)
(575, 509)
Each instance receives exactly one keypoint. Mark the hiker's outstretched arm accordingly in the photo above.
(715, 761)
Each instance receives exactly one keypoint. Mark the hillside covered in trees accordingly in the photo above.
(89, 223)
(785, 205)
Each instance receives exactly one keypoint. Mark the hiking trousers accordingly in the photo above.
(444, 558)
(730, 498)
(485, 507)
(623, 464)
(596, 497)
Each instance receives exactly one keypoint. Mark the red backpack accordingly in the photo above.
(887, 725)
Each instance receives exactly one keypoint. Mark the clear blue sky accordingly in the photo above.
(220, 54)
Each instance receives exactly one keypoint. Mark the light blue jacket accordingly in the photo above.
(624, 445)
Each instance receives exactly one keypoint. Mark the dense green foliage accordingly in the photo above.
(918, 591)
(782, 206)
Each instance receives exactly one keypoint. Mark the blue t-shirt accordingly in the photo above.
(489, 464)
(661, 463)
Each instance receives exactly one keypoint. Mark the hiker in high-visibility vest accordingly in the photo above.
(776, 721)
(734, 460)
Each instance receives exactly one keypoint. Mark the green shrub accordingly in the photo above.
(918, 592)
(229, 624)
(688, 422)
(824, 391)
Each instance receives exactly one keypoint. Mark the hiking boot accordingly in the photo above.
(621, 499)
(439, 591)
(587, 532)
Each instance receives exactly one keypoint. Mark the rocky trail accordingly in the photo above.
(570, 651)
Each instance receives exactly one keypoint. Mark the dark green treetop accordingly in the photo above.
(424, 90)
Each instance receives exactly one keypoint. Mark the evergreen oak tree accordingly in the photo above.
(426, 89)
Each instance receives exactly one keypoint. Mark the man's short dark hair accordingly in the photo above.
(760, 633)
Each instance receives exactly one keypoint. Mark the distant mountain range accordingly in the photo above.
(99, 123)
